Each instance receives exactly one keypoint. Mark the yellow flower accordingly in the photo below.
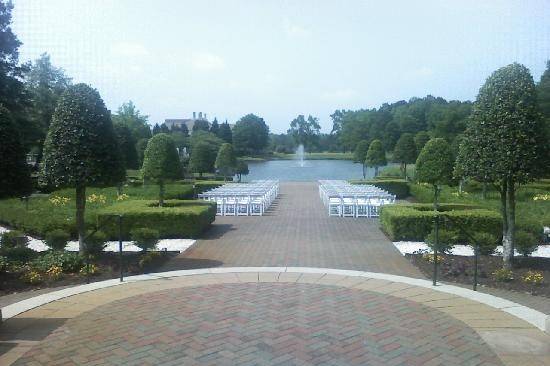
(541, 197)
(122, 197)
(533, 277)
(54, 272)
(59, 200)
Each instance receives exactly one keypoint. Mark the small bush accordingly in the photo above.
(177, 219)
(525, 242)
(145, 238)
(90, 269)
(54, 273)
(533, 278)
(487, 243)
(32, 277)
(398, 187)
(4, 264)
(447, 239)
(95, 243)
(57, 239)
(13, 239)
(503, 275)
(429, 257)
(67, 261)
(148, 259)
(18, 255)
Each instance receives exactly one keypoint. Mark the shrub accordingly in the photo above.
(447, 239)
(145, 238)
(55, 273)
(95, 243)
(148, 259)
(487, 242)
(398, 187)
(503, 275)
(526, 243)
(415, 221)
(90, 269)
(18, 254)
(4, 264)
(57, 239)
(203, 186)
(32, 277)
(13, 239)
(533, 278)
(429, 257)
(67, 261)
(177, 219)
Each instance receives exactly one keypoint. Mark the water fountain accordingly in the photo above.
(300, 155)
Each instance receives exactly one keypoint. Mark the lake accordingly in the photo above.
(291, 170)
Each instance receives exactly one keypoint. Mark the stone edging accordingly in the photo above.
(534, 317)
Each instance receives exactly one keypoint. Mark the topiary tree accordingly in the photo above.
(161, 162)
(506, 142)
(242, 169)
(405, 152)
(202, 158)
(81, 148)
(226, 162)
(360, 154)
(15, 179)
(376, 156)
(435, 165)
(145, 238)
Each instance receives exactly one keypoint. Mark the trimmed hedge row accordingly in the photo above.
(177, 219)
(414, 221)
(399, 187)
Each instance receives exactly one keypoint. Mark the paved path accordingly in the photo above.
(270, 318)
(296, 232)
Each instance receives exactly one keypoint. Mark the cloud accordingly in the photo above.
(339, 95)
(206, 61)
(295, 30)
(129, 49)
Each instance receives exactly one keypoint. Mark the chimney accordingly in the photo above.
(200, 115)
(205, 116)
(194, 115)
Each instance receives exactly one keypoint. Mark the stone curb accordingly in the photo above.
(534, 317)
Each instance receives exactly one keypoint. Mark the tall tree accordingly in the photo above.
(215, 128)
(201, 125)
(405, 152)
(127, 146)
(131, 117)
(156, 129)
(12, 92)
(225, 133)
(506, 139)
(376, 156)
(305, 131)
(435, 165)
(543, 90)
(420, 139)
(161, 162)
(44, 83)
(360, 154)
(226, 162)
(250, 135)
(81, 149)
(15, 179)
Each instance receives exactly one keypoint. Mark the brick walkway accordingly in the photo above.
(296, 232)
(263, 324)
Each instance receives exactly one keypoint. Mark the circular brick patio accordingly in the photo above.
(263, 324)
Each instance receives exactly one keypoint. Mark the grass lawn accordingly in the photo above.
(44, 215)
(530, 214)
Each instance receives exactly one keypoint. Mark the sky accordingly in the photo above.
(279, 59)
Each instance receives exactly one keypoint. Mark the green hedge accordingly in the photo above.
(415, 221)
(203, 185)
(399, 187)
(177, 219)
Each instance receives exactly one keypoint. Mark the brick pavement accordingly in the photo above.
(296, 232)
(263, 324)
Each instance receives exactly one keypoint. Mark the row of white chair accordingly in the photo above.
(243, 199)
(346, 200)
